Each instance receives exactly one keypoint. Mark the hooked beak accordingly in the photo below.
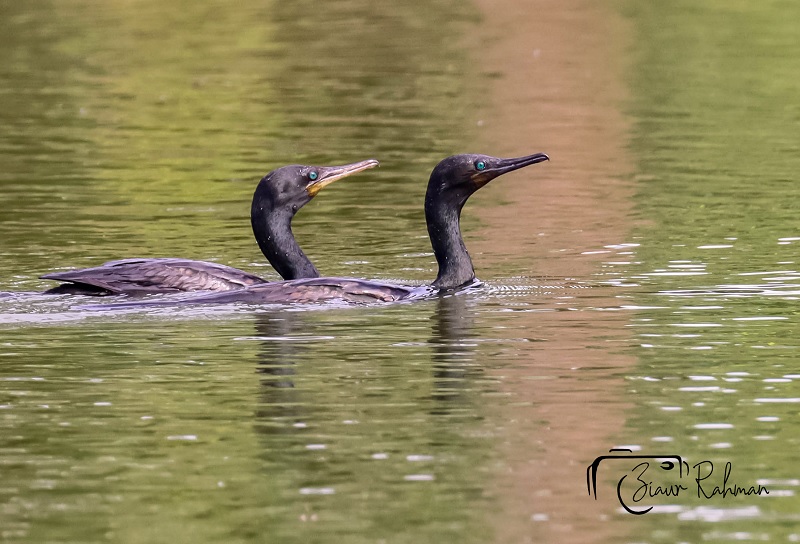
(329, 174)
(503, 166)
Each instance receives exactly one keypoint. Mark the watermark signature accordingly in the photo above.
(639, 483)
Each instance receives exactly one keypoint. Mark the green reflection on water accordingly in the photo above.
(717, 115)
(141, 129)
(306, 426)
(179, 109)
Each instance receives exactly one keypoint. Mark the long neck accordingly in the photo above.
(273, 232)
(455, 266)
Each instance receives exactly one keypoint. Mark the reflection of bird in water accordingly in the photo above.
(451, 183)
(279, 405)
(276, 332)
(289, 358)
(454, 349)
(277, 198)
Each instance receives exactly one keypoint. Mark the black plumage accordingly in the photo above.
(279, 195)
(451, 183)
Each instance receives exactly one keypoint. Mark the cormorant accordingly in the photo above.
(451, 183)
(276, 199)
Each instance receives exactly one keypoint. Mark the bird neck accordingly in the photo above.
(273, 232)
(455, 266)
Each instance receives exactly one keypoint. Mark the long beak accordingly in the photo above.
(503, 166)
(507, 165)
(329, 174)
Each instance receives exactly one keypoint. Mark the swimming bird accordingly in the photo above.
(278, 196)
(451, 183)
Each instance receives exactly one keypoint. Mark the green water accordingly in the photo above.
(138, 433)
(717, 119)
(140, 129)
(170, 130)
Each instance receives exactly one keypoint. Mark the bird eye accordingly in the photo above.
(480, 165)
(312, 176)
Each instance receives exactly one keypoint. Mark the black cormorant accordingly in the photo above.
(451, 183)
(276, 199)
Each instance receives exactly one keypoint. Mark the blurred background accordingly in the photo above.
(641, 287)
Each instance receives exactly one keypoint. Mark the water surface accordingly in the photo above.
(640, 287)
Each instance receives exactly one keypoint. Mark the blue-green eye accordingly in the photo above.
(312, 176)
(480, 165)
